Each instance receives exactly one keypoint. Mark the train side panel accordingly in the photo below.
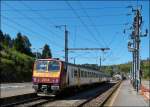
(78, 76)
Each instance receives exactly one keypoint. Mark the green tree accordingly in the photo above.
(1, 37)
(46, 53)
(7, 40)
(22, 44)
(26, 45)
(18, 43)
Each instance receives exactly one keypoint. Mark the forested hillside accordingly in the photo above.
(16, 58)
(124, 68)
(15, 66)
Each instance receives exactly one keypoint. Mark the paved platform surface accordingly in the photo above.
(13, 89)
(127, 96)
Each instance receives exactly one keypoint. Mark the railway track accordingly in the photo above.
(100, 99)
(95, 96)
(35, 101)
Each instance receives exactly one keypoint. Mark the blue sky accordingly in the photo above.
(91, 24)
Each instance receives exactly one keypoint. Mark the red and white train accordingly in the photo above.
(51, 76)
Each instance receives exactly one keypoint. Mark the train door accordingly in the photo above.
(71, 76)
(75, 76)
(63, 76)
(78, 78)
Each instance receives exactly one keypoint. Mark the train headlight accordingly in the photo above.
(55, 87)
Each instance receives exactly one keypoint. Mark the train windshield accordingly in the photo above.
(41, 65)
(53, 66)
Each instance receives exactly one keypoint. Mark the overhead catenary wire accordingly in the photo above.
(41, 16)
(31, 20)
(119, 51)
(71, 17)
(27, 34)
(45, 17)
(20, 25)
(86, 27)
(66, 9)
(97, 31)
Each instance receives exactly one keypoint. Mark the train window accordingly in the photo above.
(75, 73)
(41, 66)
(72, 71)
(81, 73)
(85, 74)
(53, 66)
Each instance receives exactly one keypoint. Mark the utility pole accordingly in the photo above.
(66, 45)
(137, 44)
(135, 36)
(66, 41)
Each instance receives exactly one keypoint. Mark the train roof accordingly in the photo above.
(85, 67)
(49, 59)
(57, 59)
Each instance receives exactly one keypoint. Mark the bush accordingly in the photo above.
(15, 66)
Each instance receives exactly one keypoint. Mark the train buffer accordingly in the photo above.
(126, 95)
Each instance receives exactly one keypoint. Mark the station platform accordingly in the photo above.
(126, 95)
(14, 89)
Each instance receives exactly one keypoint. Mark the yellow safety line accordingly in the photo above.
(114, 98)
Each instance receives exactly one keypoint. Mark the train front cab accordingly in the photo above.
(46, 76)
